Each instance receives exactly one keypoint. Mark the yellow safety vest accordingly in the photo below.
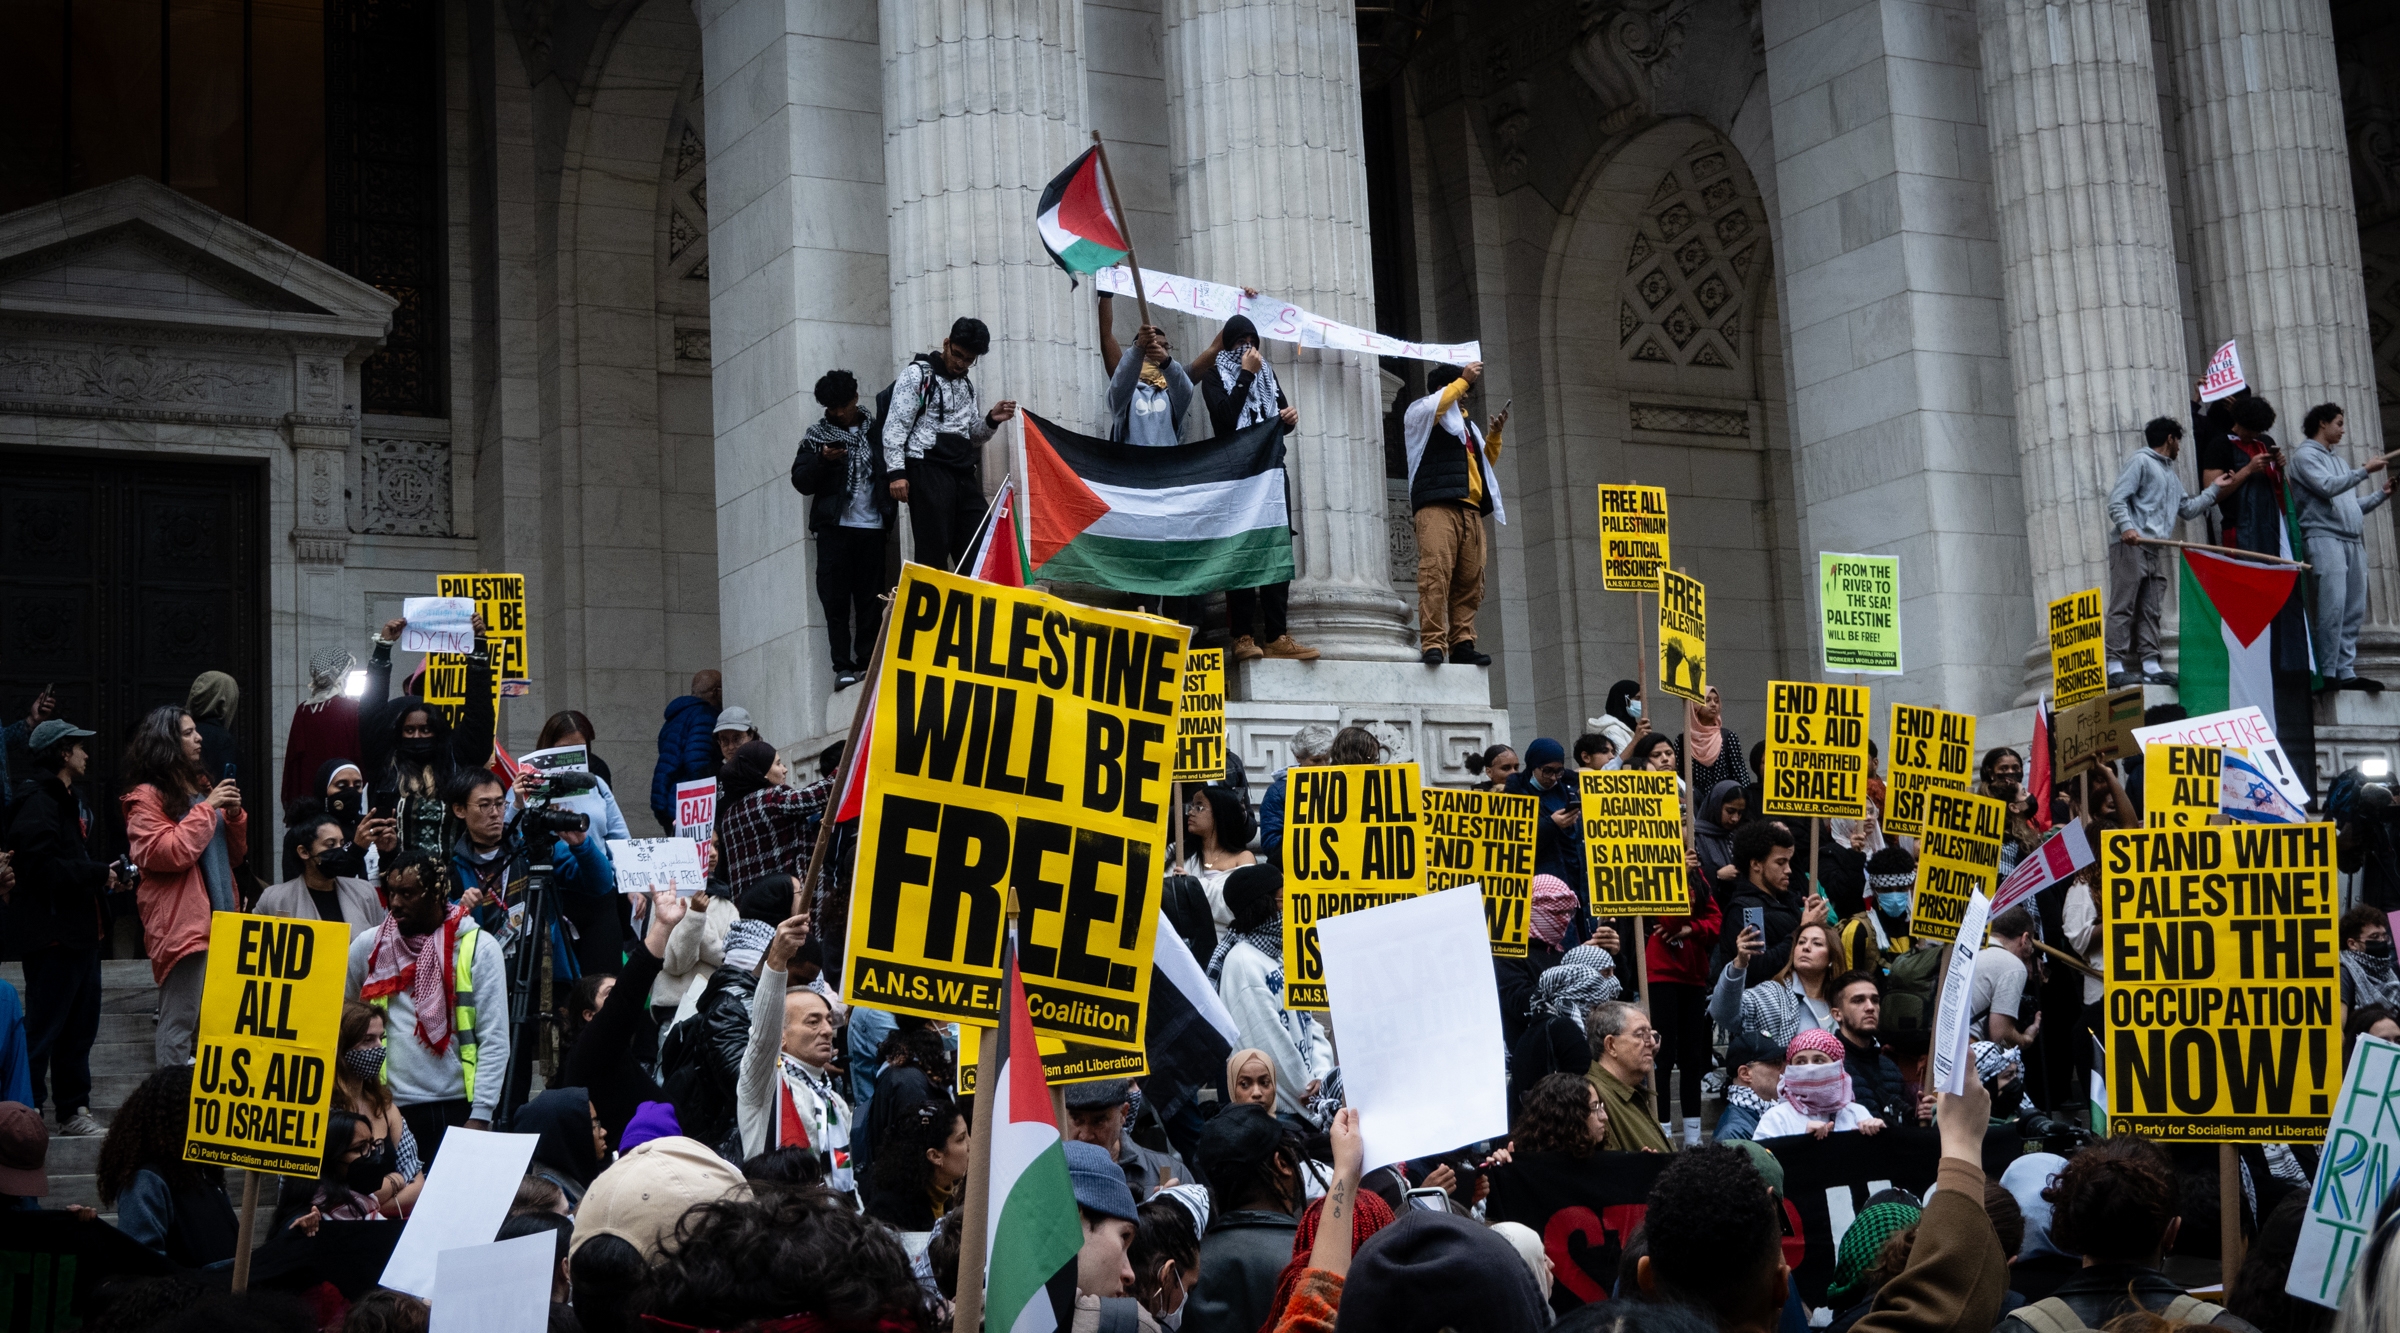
(462, 1014)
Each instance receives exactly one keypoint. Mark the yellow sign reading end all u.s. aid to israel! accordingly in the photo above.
(1931, 748)
(1816, 750)
(1352, 839)
(1633, 537)
(2078, 648)
(270, 1027)
(1200, 717)
(1021, 745)
(1682, 637)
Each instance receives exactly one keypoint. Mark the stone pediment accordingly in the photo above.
(137, 252)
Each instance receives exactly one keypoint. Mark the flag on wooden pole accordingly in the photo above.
(1079, 227)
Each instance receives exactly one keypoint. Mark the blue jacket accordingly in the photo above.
(687, 750)
(1270, 820)
(16, 1071)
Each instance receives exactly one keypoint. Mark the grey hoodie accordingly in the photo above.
(2324, 481)
(1139, 414)
(2149, 497)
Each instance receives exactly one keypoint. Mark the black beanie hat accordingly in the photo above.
(1431, 1271)
(1250, 894)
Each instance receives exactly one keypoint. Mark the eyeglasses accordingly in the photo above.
(489, 804)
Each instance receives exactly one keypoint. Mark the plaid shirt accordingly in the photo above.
(766, 832)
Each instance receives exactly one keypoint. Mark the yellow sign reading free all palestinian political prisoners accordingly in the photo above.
(1484, 838)
(1931, 749)
(270, 1027)
(1958, 857)
(2223, 967)
(1859, 596)
(1352, 838)
(2179, 785)
(1200, 717)
(1633, 537)
(1682, 637)
(1021, 745)
(2078, 648)
(1816, 750)
(1633, 843)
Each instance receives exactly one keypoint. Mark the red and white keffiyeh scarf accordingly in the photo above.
(426, 966)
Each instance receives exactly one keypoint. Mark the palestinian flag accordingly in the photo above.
(1174, 522)
(997, 554)
(1033, 1229)
(2228, 606)
(1078, 227)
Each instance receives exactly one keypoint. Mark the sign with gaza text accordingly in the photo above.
(1682, 636)
(1930, 749)
(1352, 839)
(1816, 750)
(1859, 596)
(1484, 838)
(500, 600)
(1063, 1061)
(1200, 717)
(2078, 648)
(1958, 856)
(2179, 785)
(1633, 843)
(1633, 537)
(1020, 746)
(270, 1026)
(2223, 982)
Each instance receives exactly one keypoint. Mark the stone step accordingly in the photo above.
(115, 974)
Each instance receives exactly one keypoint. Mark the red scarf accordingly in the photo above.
(426, 966)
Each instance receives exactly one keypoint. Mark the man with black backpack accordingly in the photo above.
(931, 427)
(848, 513)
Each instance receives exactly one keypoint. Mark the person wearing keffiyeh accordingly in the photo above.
(443, 986)
(1238, 386)
(1817, 1097)
(324, 726)
(1248, 971)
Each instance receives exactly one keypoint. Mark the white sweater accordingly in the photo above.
(1252, 988)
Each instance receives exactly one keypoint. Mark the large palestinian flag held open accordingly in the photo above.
(2228, 610)
(1172, 522)
(1078, 227)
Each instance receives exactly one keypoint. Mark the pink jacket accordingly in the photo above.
(173, 897)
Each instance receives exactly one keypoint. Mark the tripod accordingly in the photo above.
(525, 974)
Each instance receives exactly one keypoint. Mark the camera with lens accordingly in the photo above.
(548, 822)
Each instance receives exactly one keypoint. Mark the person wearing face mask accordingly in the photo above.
(786, 1095)
(359, 1089)
(1621, 719)
(349, 1187)
(408, 747)
(2003, 780)
(1166, 1260)
(1558, 834)
(320, 892)
(341, 789)
(2367, 973)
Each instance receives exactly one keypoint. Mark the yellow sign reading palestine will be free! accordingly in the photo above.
(1682, 637)
(2078, 648)
(1931, 748)
(500, 600)
(1200, 717)
(1351, 836)
(1816, 750)
(1633, 537)
(1021, 744)
(1958, 857)
(270, 1027)
(1633, 843)
(2223, 980)
(1484, 838)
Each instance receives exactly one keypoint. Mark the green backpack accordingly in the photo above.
(1909, 987)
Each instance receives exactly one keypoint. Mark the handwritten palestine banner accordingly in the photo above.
(1351, 841)
(1021, 743)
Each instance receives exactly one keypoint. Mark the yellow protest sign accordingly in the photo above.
(1859, 596)
(1200, 717)
(1633, 537)
(1958, 857)
(1682, 637)
(1816, 750)
(1350, 842)
(500, 600)
(1931, 748)
(1020, 747)
(270, 1027)
(2223, 982)
(2179, 785)
(1633, 843)
(1063, 1061)
(1484, 838)
(2078, 648)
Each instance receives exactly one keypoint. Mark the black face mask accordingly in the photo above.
(345, 805)
(365, 1175)
(2004, 789)
(2378, 949)
(416, 747)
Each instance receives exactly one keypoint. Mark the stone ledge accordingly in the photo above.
(1272, 680)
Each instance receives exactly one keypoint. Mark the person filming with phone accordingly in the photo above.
(187, 831)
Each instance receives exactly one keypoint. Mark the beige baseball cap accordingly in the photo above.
(644, 1193)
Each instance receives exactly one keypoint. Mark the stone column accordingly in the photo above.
(983, 104)
(2087, 252)
(1266, 145)
(2274, 229)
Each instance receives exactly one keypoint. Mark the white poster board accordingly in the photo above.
(644, 864)
(2245, 729)
(2359, 1169)
(438, 625)
(474, 1179)
(502, 1287)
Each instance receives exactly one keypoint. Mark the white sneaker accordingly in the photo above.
(79, 1124)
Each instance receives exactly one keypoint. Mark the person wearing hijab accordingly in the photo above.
(407, 746)
(1712, 748)
(573, 1146)
(2040, 1265)
(1621, 718)
(764, 827)
(1549, 917)
(1558, 836)
(1712, 836)
(324, 727)
(1248, 970)
(1250, 1078)
(341, 795)
(212, 701)
(1239, 388)
(1861, 1246)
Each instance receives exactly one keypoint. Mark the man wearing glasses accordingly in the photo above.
(1624, 1048)
(490, 865)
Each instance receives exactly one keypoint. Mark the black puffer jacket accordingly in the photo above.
(61, 888)
(702, 1060)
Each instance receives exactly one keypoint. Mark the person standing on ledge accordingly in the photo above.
(934, 460)
(848, 512)
(2333, 522)
(1450, 488)
(2148, 502)
(1240, 391)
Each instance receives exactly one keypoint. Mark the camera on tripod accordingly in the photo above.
(544, 821)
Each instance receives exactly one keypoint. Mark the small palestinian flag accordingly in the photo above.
(1078, 227)
(1034, 1230)
(997, 554)
(2229, 608)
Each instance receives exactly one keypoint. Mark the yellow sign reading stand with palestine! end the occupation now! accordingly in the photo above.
(270, 1028)
(2078, 648)
(1200, 717)
(1931, 749)
(1816, 750)
(1484, 838)
(1021, 745)
(1633, 537)
(1353, 839)
(1633, 843)
(1682, 637)
(1958, 857)
(2224, 982)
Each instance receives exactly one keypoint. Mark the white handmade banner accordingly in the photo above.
(2243, 730)
(644, 864)
(1280, 320)
(2224, 377)
(1953, 1017)
(438, 625)
(2354, 1174)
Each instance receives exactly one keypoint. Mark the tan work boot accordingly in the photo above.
(1290, 649)
(1246, 649)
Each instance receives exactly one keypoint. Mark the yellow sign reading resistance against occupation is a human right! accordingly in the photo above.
(1682, 637)
(270, 1026)
(1633, 843)
(1352, 839)
(1200, 717)
(1021, 744)
(2078, 648)
(1816, 750)
(1633, 537)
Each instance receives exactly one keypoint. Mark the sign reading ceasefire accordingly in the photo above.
(500, 600)
(1682, 637)
(1200, 717)
(1816, 750)
(1350, 842)
(1958, 857)
(270, 1024)
(1633, 537)
(1484, 838)
(1021, 745)
(2223, 979)
(1931, 748)
(2078, 648)
(1633, 843)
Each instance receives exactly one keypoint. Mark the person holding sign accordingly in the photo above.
(2148, 502)
(186, 831)
(2333, 522)
(1451, 487)
(409, 749)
